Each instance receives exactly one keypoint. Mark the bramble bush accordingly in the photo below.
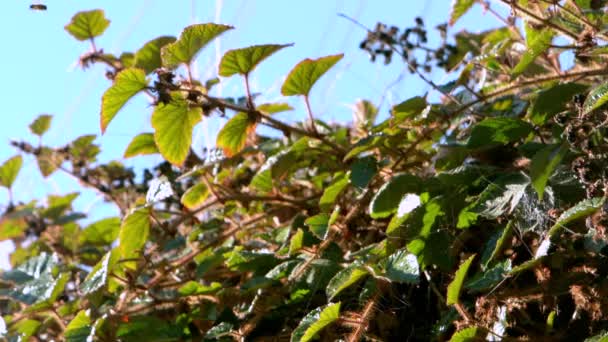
(479, 217)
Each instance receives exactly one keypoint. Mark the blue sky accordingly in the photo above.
(40, 72)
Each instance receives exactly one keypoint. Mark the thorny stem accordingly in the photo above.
(311, 118)
(248, 93)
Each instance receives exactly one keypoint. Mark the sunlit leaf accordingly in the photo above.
(173, 124)
(133, 235)
(552, 101)
(537, 43)
(158, 190)
(87, 24)
(387, 199)
(581, 210)
(243, 61)
(142, 144)
(459, 8)
(315, 321)
(344, 279)
(402, 267)
(195, 196)
(304, 75)
(79, 328)
(273, 108)
(148, 56)
(127, 84)
(41, 124)
(233, 136)
(102, 232)
(190, 42)
(9, 170)
(471, 334)
(596, 98)
(456, 285)
(331, 193)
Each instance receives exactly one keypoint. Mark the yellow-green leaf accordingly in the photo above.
(87, 24)
(233, 135)
(537, 41)
(9, 170)
(173, 124)
(133, 235)
(273, 108)
(41, 124)
(304, 75)
(126, 84)
(195, 196)
(142, 144)
(456, 284)
(148, 57)
(243, 61)
(190, 42)
(459, 8)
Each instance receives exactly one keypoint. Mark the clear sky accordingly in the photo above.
(40, 72)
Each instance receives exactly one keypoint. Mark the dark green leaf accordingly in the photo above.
(304, 75)
(456, 285)
(402, 267)
(501, 196)
(490, 278)
(243, 61)
(9, 170)
(543, 164)
(552, 101)
(315, 321)
(190, 42)
(499, 130)
(41, 124)
(141, 144)
(87, 24)
(173, 124)
(127, 84)
(99, 275)
(233, 136)
(148, 57)
(387, 199)
(362, 171)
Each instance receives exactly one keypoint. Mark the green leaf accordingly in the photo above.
(127, 84)
(195, 196)
(133, 235)
(190, 42)
(99, 275)
(362, 171)
(490, 278)
(9, 170)
(48, 161)
(501, 196)
(193, 288)
(87, 24)
(597, 97)
(273, 108)
(11, 228)
(552, 101)
(41, 124)
(402, 267)
(387, 199)
(459, 8)
(233, 136)
(243, 61)
(318, 225)
(601, 337)
(537, 41)
(304, 75)
(470, 334)
(102, 232)
(148, 57)
(296, 242)
(315, 321)
(173, 124)
(331, 193)
(498, 130)
(344, 279)
(581, 210)
(408, 109)
(543, 164)
(456, 285)
(25, 328)
(142, 144)
(79, 328)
